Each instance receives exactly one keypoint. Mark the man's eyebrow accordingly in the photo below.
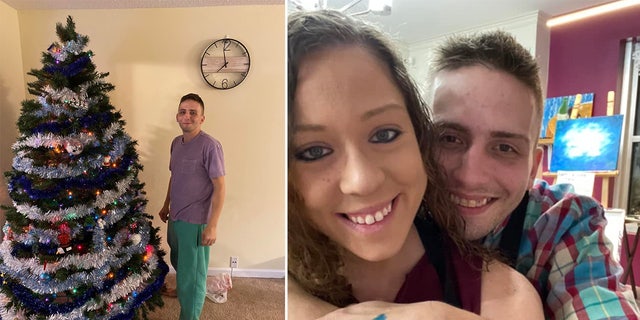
(442, 125)
(509, 135)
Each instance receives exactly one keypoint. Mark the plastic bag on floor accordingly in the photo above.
(217, 287)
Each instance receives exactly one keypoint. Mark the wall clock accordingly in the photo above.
(225, 63)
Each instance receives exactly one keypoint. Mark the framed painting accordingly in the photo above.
(587, 144)
(577, 106)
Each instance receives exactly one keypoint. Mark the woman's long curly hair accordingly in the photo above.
(314, 260)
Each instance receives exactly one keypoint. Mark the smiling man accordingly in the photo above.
(487, 102)
(193, 204)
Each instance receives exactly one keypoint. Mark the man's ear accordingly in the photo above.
(537, 158)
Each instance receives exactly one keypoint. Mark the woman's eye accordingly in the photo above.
(384, 136)
(313, 153)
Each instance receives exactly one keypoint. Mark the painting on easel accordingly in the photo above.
(565, 107)
(587, 144)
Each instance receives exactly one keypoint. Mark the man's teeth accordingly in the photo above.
(372, 218)
(469, 203)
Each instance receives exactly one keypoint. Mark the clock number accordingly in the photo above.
(225, 84)
(225, 45)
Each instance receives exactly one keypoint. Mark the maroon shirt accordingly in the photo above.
(422, 283)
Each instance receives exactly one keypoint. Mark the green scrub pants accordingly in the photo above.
(191, 261)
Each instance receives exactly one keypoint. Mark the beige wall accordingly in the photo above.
(153, 58)
(12, 91)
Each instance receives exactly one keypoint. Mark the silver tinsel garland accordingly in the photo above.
(66, 96)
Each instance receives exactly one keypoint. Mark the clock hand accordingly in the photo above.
(224, 55)
(223, 66)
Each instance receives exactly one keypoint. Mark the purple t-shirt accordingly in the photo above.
(192, 167)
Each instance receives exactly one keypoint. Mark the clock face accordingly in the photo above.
(225, 63)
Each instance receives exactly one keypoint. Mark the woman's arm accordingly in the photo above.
(505, 294)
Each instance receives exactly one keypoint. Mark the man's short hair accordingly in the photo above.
(494, 49)
(194, 97)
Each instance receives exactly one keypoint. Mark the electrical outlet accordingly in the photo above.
(233, 262)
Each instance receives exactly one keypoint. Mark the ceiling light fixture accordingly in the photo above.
(309, 5)
(379, 7)
(582, 14)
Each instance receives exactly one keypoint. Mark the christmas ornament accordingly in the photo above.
(64, 239)
(8, 233)
(54, 48)
(136, 238)
(73, 146)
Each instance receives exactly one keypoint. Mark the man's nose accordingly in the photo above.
(468, 167)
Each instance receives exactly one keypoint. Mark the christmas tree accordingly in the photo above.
(77, 242)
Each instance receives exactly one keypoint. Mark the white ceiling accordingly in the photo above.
(415, 20)
(128, 4)
(410, 20)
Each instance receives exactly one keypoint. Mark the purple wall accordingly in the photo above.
(586, 56)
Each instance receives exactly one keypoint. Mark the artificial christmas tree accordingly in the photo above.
(77, 242)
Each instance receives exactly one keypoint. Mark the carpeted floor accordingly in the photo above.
(249, 299)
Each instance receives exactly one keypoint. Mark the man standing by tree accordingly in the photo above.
(193, 204)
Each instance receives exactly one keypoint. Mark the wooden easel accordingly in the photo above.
(605, 175)
(604, 192)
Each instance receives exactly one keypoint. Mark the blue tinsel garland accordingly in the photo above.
(146, 293)
(89, 121)
(46, 308)
(71, 69)
(25, 183)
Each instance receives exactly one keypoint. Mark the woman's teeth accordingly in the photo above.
(371, 218)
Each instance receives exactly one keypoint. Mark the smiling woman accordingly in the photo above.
(364, 150)
(368, 216)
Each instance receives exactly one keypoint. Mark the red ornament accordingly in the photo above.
(64, 228)
(64, 239)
